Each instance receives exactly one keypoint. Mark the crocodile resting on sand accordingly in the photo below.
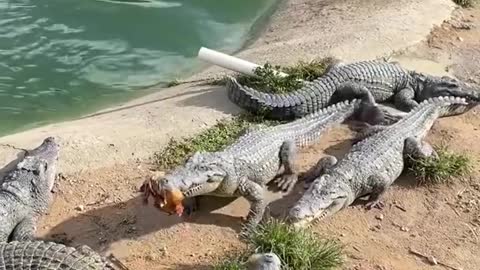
(40, 255)
(388, 82)
(261, 155)
(26, 192)
(372, 164)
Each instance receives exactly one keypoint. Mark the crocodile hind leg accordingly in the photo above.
(418, 149)
(379, 187)
(404, 99)
(254, 194)
(289, 177)
(351, 90)
(25, 230)
(369, 111)
(322, 165)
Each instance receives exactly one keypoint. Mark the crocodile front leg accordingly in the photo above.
(404, 99)
(418, 148)
(25, 230)
(379, 187)
(314, 172)
(254, 193)
(289, 177)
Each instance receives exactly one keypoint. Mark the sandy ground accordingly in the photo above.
(302, 29)
(103, 162)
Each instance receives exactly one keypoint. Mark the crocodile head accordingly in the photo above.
(264, 261)
(428, 86)
(42, 161)
(202, 172)
(325, 196)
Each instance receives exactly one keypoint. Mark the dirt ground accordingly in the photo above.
(101, 207)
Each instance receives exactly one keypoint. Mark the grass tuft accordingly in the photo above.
(234, 262)
(213, 139)
(466, 3)
(267, 80)
(298, 249)
(443, 170)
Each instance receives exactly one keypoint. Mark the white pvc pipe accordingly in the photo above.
(230, 62)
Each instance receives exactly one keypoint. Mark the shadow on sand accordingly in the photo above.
(207, 96)
(102, 226)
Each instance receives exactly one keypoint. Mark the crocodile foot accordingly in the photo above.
(374, 204)
(286, 182)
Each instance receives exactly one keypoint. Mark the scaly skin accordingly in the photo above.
(36, 255)
(258, 157)
(264, 261)
(388, 82)
(26, 192)
(372, 164)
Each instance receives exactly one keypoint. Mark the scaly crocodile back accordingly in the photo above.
(383, 77)
(35, 255)
(303, 131)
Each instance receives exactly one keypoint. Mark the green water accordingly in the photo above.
(60, 59)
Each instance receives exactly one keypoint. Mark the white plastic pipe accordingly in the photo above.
(230, 62)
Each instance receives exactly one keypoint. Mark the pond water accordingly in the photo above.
(60, 59)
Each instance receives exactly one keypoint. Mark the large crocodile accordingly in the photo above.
(25, 192)
(261, 155)
(388, 82)
(36, 255)
(372, 164)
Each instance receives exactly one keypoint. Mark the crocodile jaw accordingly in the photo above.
(308, 221)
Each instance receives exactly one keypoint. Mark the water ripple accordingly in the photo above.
(62, 58)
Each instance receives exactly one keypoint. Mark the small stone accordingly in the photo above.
(342, 235)
(379, 216)
(80, 208)
(376, 227)
(404, 229)
(151, 257)
(432, 260)
(460, 39)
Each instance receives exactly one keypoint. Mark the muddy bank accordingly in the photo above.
(301, 29)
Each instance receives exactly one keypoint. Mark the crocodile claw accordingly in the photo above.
(375, 204)
(286, 182)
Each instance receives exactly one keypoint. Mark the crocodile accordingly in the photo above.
(372, 164)
(26, 192)
(261, 156)
(387, 81)
(30, 255)
(264, 261)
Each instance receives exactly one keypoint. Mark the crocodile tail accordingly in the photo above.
(310, 128)
(274, 106)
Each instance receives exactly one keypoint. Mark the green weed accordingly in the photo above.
(443, 169)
